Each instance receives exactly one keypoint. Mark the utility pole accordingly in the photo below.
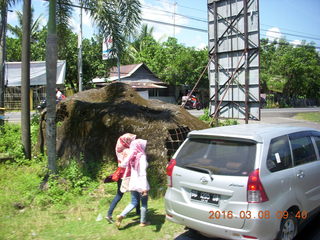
(51, 69)
(80, 52)
(3, 28)
(25, 79)
(174, 19)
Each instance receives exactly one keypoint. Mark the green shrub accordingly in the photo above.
(206, 116)
(66, 186)
(10, 141)
(208, 119)
(228, 122)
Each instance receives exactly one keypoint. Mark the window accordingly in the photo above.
(221, 157)
(279, 155)
(303, 150)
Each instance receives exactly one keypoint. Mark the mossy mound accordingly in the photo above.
(89, 124)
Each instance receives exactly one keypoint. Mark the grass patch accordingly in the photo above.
(312, 117)
(66, 206)
(24, 216)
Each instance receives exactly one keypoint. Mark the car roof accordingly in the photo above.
(253, 132)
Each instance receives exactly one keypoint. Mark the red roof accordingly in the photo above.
(125, 70)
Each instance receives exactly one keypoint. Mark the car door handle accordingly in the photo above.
(300, 174)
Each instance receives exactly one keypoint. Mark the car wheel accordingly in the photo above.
(288, 228)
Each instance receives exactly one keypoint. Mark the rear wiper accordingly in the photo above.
(201, 169)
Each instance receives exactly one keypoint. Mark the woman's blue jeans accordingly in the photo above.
(135, 200)
(116, 199)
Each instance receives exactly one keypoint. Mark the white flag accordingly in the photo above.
(107, 48)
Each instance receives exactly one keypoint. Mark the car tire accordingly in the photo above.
(288, 228)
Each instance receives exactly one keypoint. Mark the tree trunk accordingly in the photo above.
(25, 79)
(2, 57)
(51, 69)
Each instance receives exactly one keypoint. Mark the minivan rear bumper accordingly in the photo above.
(262, 229)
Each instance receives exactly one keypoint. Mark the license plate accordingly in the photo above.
(205, 197)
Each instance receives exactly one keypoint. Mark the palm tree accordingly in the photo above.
(4, 4)
(17, 30)
(139, 37)
(117, 18)
(140, 41)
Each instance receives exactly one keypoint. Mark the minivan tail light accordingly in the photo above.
(255, 190)
(170, 167)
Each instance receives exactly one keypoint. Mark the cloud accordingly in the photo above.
(162, 13)
(12, 17)
(201, 46)
(75, 20)
(296, 42)
(274, 34)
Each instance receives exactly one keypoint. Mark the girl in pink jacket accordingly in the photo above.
(136, 165)
(122, 152)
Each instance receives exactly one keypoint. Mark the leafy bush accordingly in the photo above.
(63, 188)
(206, 116)
(10, 141)
(208, 119)
(228, 122)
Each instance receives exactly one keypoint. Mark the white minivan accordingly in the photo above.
(256, 181)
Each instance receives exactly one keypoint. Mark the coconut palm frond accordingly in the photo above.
(117, 18)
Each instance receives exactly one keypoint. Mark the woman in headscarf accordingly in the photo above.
(122, 151)
(136, 165)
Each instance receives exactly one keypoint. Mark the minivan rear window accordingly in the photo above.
(221, 157)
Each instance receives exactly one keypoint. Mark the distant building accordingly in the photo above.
(141, 78)
(38, 82)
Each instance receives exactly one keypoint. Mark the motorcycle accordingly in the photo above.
(42, 105)
(191, 102)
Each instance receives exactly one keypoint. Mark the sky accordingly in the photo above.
(295, 20)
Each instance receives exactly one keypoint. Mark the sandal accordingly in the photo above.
(109, 219)
(145, 224)
(118, 221)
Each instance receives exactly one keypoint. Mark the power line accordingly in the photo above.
(292, 30)
(198, 19)
(290, 34)
(182, 6)
(176, 25)
(178, 14)
(203, 30)
(205, 21)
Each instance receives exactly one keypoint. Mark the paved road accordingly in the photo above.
(15, 117)
(310, 232)
(279, 116)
